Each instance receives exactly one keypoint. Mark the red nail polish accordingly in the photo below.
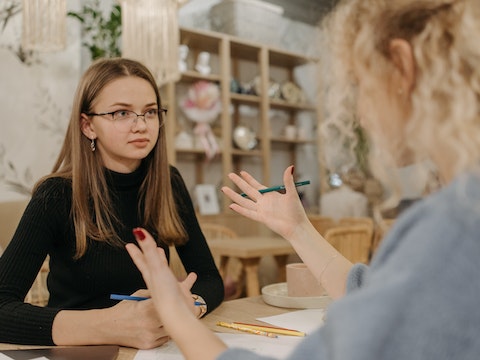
(293, 169)
(139, 233)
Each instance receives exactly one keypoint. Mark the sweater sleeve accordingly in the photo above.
(20, 322)
(195, 254)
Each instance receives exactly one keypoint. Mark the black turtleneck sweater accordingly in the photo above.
(46, 228)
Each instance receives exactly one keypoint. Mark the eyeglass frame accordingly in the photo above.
(160, 111)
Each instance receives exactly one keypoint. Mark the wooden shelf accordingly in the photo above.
(240, 59)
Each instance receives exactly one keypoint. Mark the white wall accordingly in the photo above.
(35, 101)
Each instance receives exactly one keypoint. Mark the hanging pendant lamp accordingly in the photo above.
(44, 25)
(150, 34)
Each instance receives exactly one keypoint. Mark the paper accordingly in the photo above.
(279, 347)
(303, 320)
(306, 320)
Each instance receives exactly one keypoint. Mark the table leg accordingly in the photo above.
(281, 261)
(250, 267)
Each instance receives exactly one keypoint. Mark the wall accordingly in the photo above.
(35, 100)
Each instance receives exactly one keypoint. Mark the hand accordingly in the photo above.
(169, 296)
(137, 324)
(282, 213)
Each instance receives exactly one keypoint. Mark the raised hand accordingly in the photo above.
(281, 212)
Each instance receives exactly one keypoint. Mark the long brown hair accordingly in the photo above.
(90, 192)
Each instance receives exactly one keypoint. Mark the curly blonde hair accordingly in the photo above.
(444, 126)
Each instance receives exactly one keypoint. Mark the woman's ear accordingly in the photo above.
(401, 54)
(87, 127)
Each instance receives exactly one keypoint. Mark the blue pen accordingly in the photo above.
(139, 298)
(279, 188)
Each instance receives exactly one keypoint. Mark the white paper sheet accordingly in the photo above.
(279, 347)
(303, 320)
(306, 320)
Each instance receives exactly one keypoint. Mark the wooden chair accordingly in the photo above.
(210, 231)
(359, 220)
(352, 241)
(38, 293)
(322, 223)
(233, 275)
(381, 229)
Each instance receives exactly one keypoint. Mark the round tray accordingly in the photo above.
(277, 295)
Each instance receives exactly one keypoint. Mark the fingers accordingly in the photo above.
(189, 281)
(288, 179)
(250, 188)
(150, 258)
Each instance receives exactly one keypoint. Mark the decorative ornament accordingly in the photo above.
(150, 34)
(203, 63)
(202, 105)
(44, 25)
(182, 54)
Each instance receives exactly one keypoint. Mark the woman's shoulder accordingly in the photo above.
(53, 186)
(439, 220)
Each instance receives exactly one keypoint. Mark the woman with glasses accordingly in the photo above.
(413, 68)
(112, 175)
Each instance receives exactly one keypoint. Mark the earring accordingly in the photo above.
(92, 145)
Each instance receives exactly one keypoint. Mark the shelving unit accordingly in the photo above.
(234, 58)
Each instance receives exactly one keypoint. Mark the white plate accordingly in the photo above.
(277, 295)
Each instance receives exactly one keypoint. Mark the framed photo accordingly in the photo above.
(207, 200)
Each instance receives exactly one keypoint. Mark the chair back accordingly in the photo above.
(322, 223)
(216, 231)
(352, 241)
(359, 220)
(231, 269)
(38, 293)
(10, 214)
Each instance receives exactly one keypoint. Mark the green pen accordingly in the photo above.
(279, 187)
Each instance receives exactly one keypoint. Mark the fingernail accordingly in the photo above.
(139, 234)
(293, 169)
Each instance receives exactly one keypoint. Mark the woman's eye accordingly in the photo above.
(120, 114)
(152, 113)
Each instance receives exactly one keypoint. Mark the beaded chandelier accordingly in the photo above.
(150, 34)
(44, 25)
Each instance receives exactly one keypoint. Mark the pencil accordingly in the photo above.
(279, 187)
(246, 329)
(272, 329)
(139, 298)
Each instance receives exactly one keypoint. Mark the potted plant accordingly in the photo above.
(101, 34)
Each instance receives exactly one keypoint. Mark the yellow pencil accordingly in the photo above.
(246, 329)
(272, 329)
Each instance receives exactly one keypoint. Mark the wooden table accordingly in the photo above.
(244, 310)
(249, 250)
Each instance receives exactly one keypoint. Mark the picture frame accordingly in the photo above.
(207, 199)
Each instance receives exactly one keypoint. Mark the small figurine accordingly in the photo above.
(202, 65)
(182, 58)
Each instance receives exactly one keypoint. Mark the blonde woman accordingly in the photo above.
(414, 67)
(111, 176)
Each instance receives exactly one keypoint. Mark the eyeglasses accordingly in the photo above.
(123, 120)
